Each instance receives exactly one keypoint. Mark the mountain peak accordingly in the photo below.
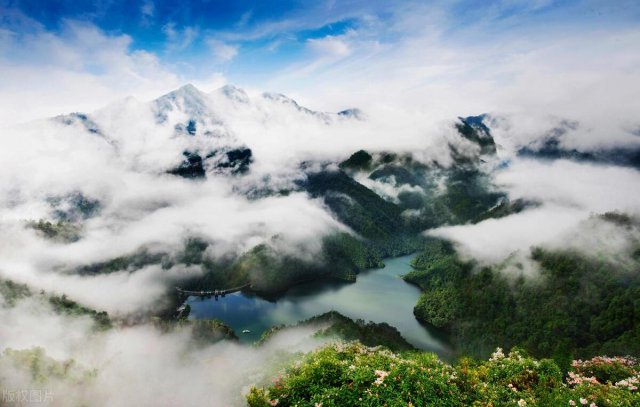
(187, 98)
(234, 93)
(189, 87)
(279, 97)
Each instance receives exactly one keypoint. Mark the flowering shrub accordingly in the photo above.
(607, 369)
(351, 374)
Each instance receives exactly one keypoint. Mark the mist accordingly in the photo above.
(130, 366)
(568, 193)
(96, 117)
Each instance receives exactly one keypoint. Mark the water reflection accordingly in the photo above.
(377, 295)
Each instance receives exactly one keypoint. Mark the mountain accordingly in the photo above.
(384, 199)
(550, 148)
(199, 125)
(432, 194)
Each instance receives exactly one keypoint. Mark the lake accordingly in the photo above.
(378, 295)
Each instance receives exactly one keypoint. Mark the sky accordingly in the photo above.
(330, 54)
(412, 67)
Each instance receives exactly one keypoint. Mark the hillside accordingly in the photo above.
(352, 374)
(577, 306)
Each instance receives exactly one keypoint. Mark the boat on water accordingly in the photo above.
(246, 331)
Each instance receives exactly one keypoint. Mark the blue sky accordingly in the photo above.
(255, 38)
(320, 50)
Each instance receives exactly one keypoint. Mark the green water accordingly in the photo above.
(377, 295)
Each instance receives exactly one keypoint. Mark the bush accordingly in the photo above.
(350, 374)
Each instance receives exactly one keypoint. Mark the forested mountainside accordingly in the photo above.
(194, 206)
(576, 305)
(385, 199)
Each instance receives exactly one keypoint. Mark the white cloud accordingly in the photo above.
(179, 40)
(329, 46)
(147, 11)
(133, 366)
(569, 192)
(493, 240)
(411, 80)
(222, 51)
(79, 69)
(440, 70)
(124, 167)
(148, 8)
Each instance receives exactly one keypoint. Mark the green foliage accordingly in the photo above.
(438, 196)
(620, 219)
(350, 374)
(360, 160)
(11, 291)
(210, 331)
(344, 251)
(439, 306)
(193, 252)
(269, 271)
(203, 331)
(336, 325)
(41, 368)
(63, 305)
(469, 194)
(184, 312)
(459, 194)
(435, 265)
(605, 369)
(356, 206)
(61, 231)
(578, 306)
(131, 262)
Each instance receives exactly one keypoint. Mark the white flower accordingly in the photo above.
(522, 403)
(583, 401)
(572, 403)
(497, 355)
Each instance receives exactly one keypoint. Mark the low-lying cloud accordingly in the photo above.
(569, 193)
(138, 365)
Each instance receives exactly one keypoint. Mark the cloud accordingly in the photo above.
(569, 193)
(79, 69)
(222, 51)
(123, 166)
(329, 46)
(148, 8)
(426, 61)
(140, 365)
(493, 240)
(412, 70)
(147, 11)
(179, 40)
(245, 18)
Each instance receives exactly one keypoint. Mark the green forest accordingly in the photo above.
(576, 306)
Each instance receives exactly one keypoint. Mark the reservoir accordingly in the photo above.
(378, 295)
